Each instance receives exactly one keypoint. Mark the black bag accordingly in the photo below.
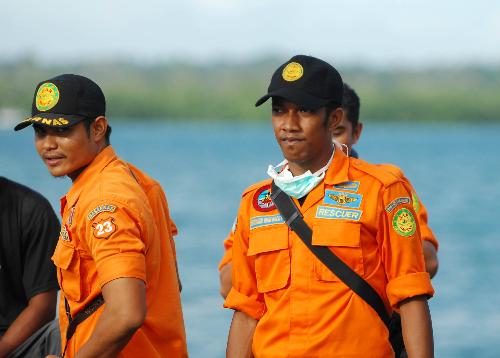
(294, 219)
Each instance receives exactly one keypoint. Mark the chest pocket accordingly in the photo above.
(344, 239)
(68, 263)
(272, 257)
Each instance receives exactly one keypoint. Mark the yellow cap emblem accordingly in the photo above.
(46, 96)
(293, 71)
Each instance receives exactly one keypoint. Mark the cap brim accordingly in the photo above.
(51, 120)
(297, 96)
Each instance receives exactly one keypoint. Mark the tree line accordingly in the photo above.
(228, 91)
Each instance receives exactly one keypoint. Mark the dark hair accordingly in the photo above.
(87, 122)
(350, 104)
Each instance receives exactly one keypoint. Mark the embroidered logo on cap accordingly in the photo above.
(403, 222)
(292, 72)
(47, 96)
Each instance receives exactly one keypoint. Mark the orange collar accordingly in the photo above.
(339, 167)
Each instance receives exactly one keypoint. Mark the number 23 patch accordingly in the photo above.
(104, 228)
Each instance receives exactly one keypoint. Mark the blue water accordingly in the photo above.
(204, 167)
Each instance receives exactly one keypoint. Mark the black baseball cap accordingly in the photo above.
(306, 81)
(64, 101)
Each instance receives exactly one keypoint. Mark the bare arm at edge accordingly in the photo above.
(123, 314)
(417, 327)
(430, 257)
(239, 342)
(40, 310)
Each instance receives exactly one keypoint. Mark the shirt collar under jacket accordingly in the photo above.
(102, 159)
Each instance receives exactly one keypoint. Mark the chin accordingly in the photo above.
(294, 157)
(57, 173)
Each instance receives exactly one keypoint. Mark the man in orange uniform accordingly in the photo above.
(115, 264)
(286, 302)
(348, 132)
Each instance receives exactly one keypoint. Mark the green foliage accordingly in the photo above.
(229, 90)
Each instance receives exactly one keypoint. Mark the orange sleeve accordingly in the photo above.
(426, 233)
(425, 230)
(115, 242)
(244, 296)
(402, 247)
(228, 251)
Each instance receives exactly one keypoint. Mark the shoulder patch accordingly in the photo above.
(404, 223)
(262, 199)
(384, 176)
(396, 202)
(99, 209)
(104, 228)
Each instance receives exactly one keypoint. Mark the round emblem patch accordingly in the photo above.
(403, 222)
(46, 96)
(262, 200)
(293, 71)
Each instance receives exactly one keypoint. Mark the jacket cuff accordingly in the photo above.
(411, 285)
(239, 302)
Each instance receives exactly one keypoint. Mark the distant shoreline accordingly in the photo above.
(226, 91)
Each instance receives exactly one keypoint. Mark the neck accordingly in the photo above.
(297, 168)
(77, 172)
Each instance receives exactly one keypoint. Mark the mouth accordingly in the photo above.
(291, 140)
(53, 160)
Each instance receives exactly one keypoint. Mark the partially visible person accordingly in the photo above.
(28, 283)
(115, 256)
(348, 132)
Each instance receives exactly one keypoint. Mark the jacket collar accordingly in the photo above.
(336, 173)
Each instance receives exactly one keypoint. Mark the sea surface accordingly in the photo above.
(204, 167)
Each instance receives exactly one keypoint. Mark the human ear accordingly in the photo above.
(335, 118)
(357, 132)
(99, 127)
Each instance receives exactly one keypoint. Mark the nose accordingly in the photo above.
(291, 120)
(47, 141)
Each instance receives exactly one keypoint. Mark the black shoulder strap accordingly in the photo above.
(81, 316)
(295, 221)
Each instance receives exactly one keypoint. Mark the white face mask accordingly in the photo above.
(300, 185)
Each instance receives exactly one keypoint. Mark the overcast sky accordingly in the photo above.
(369, 32)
